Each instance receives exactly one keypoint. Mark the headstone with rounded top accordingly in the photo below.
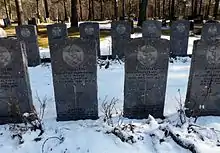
(15, 91)
(146, 68)
(120, 33)
(28, 34)
(210, 32)
(74, 71)
(90, 31)
(179, 38)
(203, 95)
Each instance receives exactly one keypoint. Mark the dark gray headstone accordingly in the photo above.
(121, 34)
(210, 32)
(57, 31)
(28, 34)
(151, 29)
(74, 78)
(15, 91)
(203, 94)
(179, 38)
(90, 31)
(146, 66)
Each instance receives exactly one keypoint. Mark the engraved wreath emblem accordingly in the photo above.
(5, 57)
(25, 32)
(181, 27)
(147, 55)
(89, 30)
(121, 29)
(151, 28)
(73, 55)
(56, 31)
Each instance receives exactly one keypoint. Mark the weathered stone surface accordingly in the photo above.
(57, 31)
(151, 29)
(203, 93)
(210, 32)
(28, 34)
(179, 38)
(120, 33)
(146, 66)
(90, 31)
(74, 79)
(15, 91)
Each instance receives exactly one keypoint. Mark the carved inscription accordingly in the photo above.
(213, 55)
(6, 80)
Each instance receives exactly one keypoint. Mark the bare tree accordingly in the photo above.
(142, 11)
(116, 9)
(46, 9)
(74, 16)
(215, 12)
(20, 13)
(6, 9)
(80, 10)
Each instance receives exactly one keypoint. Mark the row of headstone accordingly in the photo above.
(74, 69)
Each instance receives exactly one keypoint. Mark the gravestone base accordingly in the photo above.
(80, 115)
(6, 120)
(143, 111)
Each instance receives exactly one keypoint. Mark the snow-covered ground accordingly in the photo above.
(90, 136)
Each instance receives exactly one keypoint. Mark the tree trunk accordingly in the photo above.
(90, 12)
(200, 7)
(101, 11)
(116, 9)
(93, 11)
(172, 10)
(215, 12)
(169, 8)
(155, 8)
(38, 13)
(6, 9)
(142, 11)
(9, 9)
(80, 10)
(20, 13)
(158, 9)
(74, 16)
(208, 9)
(192, 7)
(123, 9)
(195, 8)
(164, 8)
(46, 9)
(65, 11)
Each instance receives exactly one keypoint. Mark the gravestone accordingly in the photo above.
(151, 29)
(179, 38)
(15, 91)
(146, 68)
(120, 33)
(210, 32)
(57, 31)
(203, 95)
(74, 71)
(28, 34)
(90, 32)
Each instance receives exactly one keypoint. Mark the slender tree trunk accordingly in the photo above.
(155, 8)
(9, 9)
(101, 11)
(6, 9)
(123, 9)
(142, 11)
(200, 7)
(65, 11)
(74, 16)
(158, 9)
(195, 8)
(38, 13)
(172, 10)
(164, 8)
(116, 9)
(215, 12)
(93, 11)
(208, 9)
(46, 9)
(80, 10)
(20, 13)
(192, 7)
(169, 8)
(90, 12)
